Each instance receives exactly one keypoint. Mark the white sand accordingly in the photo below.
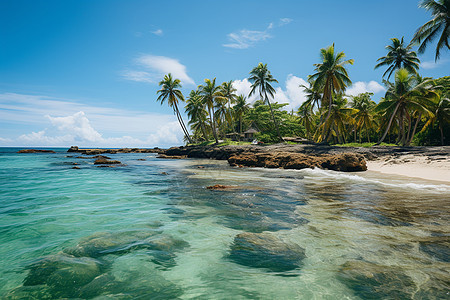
(434, 168)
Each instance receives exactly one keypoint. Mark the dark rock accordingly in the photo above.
(35, 151)
(171, 156)
(164, 173)
(141, 159)
(73, 149)
(347, 162)
(104, 161)
(221, 187)
(372, 281)
(76, 168)
(263, 250)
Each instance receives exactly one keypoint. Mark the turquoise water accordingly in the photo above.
(151, 230)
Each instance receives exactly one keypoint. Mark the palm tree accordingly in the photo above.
(240, 108)
(195, 109)
(313, 96)
(441, 115)
(222, 114)
(439, 25)
(261, 78)
(170, 91)
(331, 76)
(210, 93)
(406, 95)
(228, 91)
(340, 117)
(363, 115)
(306, 115)
(399, 56)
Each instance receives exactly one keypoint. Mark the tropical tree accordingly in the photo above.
(438, 25)
(363, 114)
(222, 114)
(408, 94)
(399, 56)
(210, 92)
(229, 92)
(313, 96)
(240, 108)
(340, 117)
(331, 77)
(195, 109)
(261, 80)
(307, 117)
(170, 91)
(441, 116)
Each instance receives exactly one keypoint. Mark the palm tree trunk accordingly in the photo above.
(442, 134)
(240, 127)
(212, 119)
(186, 133)
(205, 135)
(414, 130)
(389, 125)
(410, 121)
(273, 118)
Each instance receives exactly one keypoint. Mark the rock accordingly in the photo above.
(92, 157)
(164, 173)
(263, 250)
(73, 149)
(172, 156)
(200, 167)
(372, 281)
(104, 161)
(141, 159)
(35, 151)
(104, 243)
(63, 273)
(76, 168)
(347, 162)
(221, 187)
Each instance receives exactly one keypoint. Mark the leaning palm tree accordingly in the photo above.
(170, 91)
(210, 93)
(240, 108)
(406, 95)
(399, 56)
(439, 25)
(331, 76)
(261, 79)
(195, 109)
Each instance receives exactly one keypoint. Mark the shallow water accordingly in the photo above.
(134, 232)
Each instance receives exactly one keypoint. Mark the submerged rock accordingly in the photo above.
(346, 162)
(63, 273)
(263, 250)
(41, 292)
(104, 243)
(437, 247)
(372, 281)
(104, 161)
(171, 156)
(221, 187)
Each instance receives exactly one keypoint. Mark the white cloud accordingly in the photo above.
(245, 38)
(294, 95)
(60, 122)
(168, 133)
(77, 125)
(158, 32)
(362, 87)
(432, 64)
(155, 69)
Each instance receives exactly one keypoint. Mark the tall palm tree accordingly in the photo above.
(195, 109)
(222, 114)
(363, 115)
(306, 115)
(170, 91)
(313, 96)
(229, 92)
(261, 79)
(399, 56)
(439, 25)
(210, 92)
(331, 76)
(240, 108)
(406, 95)
(441, 115)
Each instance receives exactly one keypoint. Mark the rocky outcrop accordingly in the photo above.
(114, 151)
(347, 162)
(264, 250)
(35, 151)
(172, 156)
(221, 187)
(104, 161)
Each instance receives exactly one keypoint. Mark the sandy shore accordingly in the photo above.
(425, 167)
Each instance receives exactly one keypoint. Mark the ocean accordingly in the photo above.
(150, 229)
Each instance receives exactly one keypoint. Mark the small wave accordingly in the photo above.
(439, 188)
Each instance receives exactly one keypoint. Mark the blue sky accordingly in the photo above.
(86, 72)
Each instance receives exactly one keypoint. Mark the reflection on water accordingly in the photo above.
(151, 230)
